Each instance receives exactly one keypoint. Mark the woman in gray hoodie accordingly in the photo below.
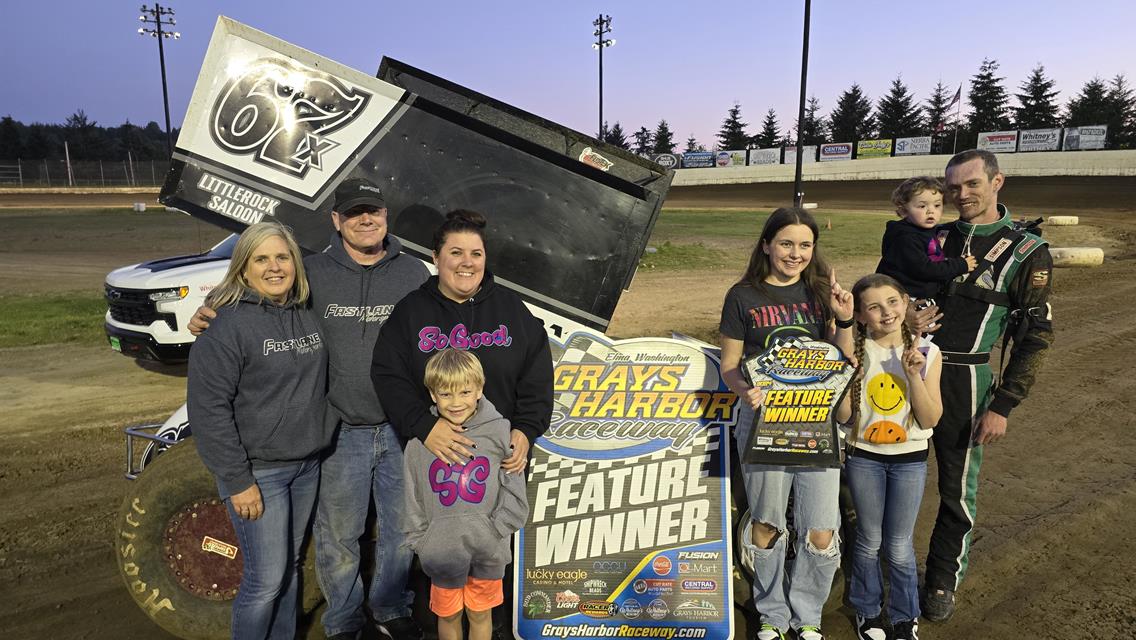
(257, 395)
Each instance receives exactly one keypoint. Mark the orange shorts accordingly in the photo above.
(476, 595)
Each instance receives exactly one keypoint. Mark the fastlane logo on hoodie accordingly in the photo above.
(305, 344)
(432, 338)
(374, 313)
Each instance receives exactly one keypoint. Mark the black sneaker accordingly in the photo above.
(938, 604)
(906, 630)
(870, 628)
(400, 629)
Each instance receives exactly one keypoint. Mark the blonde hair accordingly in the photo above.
(233, 286)
(449, 369)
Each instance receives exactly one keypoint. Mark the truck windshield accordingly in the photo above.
(224, 248)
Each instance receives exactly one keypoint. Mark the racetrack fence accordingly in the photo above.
(128, 172)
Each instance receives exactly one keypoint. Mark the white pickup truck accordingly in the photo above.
(149, 304)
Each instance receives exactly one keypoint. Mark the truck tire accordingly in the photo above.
(177, 552)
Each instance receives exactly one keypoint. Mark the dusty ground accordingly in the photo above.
(1058, 497)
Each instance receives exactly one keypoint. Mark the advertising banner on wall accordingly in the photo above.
(1039, 140)
(998, 141)
(697, 159)
(667, 160)
(809, 152)
(835, 151)
(629, 516)
(765, 156)
(917, 146)
(734, 158)
(874, 148)
(1085, 138)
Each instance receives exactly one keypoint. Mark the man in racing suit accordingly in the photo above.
(1009, 288)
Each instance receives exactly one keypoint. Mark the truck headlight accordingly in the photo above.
(166, 295)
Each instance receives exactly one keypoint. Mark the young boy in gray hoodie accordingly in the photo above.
(459, 517)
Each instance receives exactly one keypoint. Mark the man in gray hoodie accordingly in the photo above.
(355, 284)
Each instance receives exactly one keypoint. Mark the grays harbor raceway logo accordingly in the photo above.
(281, 113)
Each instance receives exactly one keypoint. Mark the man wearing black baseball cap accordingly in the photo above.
(355, 284)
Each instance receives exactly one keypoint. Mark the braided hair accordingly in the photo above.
(870, 281)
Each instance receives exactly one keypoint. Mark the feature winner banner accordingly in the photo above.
(803, 380)
(873, 148)
(998, 141)
(629, 503)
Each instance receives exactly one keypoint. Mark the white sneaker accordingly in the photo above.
(769, 632)
(809, 632)
(870, 628)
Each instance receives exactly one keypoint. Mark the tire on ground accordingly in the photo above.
(1077, 256)
(177, 552)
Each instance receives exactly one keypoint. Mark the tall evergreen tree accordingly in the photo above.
(692, 145)
(615, 136)
(988, 101)
(664, 138)
(733, 134)
(1037, 108)
(897, 114)
(852, 118)
(643, 141)
(813, 130)
(1090, 106)
(770, 135)
(1122, 114)
(939, 110)
(11, 138)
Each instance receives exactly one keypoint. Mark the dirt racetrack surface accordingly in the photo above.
(1057, 499)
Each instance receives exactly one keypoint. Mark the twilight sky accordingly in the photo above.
(686, 62)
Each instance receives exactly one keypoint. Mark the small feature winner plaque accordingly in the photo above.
(803, 380)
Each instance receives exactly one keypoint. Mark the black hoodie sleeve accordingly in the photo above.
(392, 374)
(532, 412)
(907, 253)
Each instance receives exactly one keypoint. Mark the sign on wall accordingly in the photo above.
(835, 151)
(917, 146)
(732, 158)
(1039, 140)
(808, 152)
(874, 148)
(998, 141)
(765, 156)
(697, 159)
(1084, 138)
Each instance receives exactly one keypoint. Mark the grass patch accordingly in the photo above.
(853, 233)
(75, 318)
(683, 257)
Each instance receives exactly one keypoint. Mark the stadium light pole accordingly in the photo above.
(798, 195)
(602, 25)
(160, 16)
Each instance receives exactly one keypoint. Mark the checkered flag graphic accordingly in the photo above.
(582, 349)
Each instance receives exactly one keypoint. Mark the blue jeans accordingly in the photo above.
(887, 497)
(267, 602)
(364, 464)
(795, 600)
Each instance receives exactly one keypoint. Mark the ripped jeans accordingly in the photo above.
(793, 599)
